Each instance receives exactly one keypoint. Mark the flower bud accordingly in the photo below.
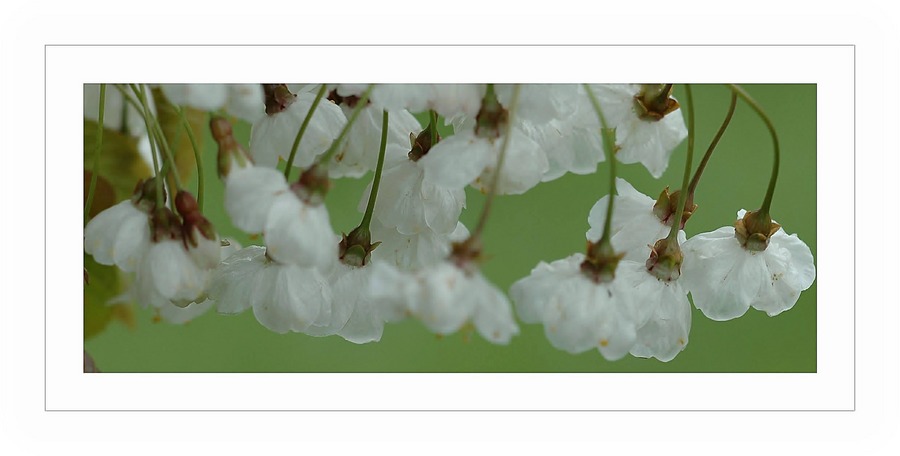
(230, 151)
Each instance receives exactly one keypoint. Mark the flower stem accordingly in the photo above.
(197, 156)
(682, 196)
(712, 146)
(376, 181)
(513, 105)
(96, 167)
(306, 120)
(154, 152)
(336, 144)
(767, 201)
(153, 128)
(610, 145)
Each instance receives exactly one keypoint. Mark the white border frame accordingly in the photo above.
(831, 388)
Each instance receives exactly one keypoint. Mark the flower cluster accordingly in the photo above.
(410, 256)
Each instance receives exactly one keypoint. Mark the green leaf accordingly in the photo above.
(103, 285)
(121, 165)
(173, 129)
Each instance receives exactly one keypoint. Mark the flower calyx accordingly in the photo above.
(420, 144)
(466, 254)
(144, 196)
(356, 248)
(313, 185)
(665, 260)
(278, 98)
(654, 102)
(601, 261)
(194, 221)
(230, 151)
(165, 225)
(667, 205)
(754, 230)
(492, 116)
(349, 101)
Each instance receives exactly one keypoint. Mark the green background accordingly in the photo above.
(546, 223)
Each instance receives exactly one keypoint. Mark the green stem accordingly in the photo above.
(306, 120)
(609, 144)
(682, 196)
(376, 181)
(160, 136)
(712, 146)
(197, 155)
(145, 109)
(96, 168)
(513, 105)
(767, 201)
(336, 144)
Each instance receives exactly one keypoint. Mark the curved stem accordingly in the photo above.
(376, 181)
(767, 201)
(682, 196)
(306, 120)
(712, 146)
(513, 105)
(609, 144)
(155, 129)
(96, 167)
(154, 152)
(197, 156)
(335, 145)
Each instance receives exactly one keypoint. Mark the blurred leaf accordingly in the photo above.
(173, 129)
(103, 285)
(121, 164)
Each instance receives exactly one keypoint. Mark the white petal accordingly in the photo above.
(458, 160)
(272, 136)
(300, 233)
(290, 298)
(249, 194)
(235, 280)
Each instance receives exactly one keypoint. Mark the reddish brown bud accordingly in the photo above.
(278, 98)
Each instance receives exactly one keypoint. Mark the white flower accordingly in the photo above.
(466, 158)
(634, 227)
(119, 235)
(578, 313)
(726, 279)
(359, 153)
(445, 298)
(300, 233)
(249, 194)
(413, 251)
(448, 100)
(180, 315)
(411, 202)
(284, 297)
(649, 142)
(568, 146)
(354, 314)
(246, 101)
(661, 310)
(272, 136)
(205, 97)
(168, 275)
(541, 103)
